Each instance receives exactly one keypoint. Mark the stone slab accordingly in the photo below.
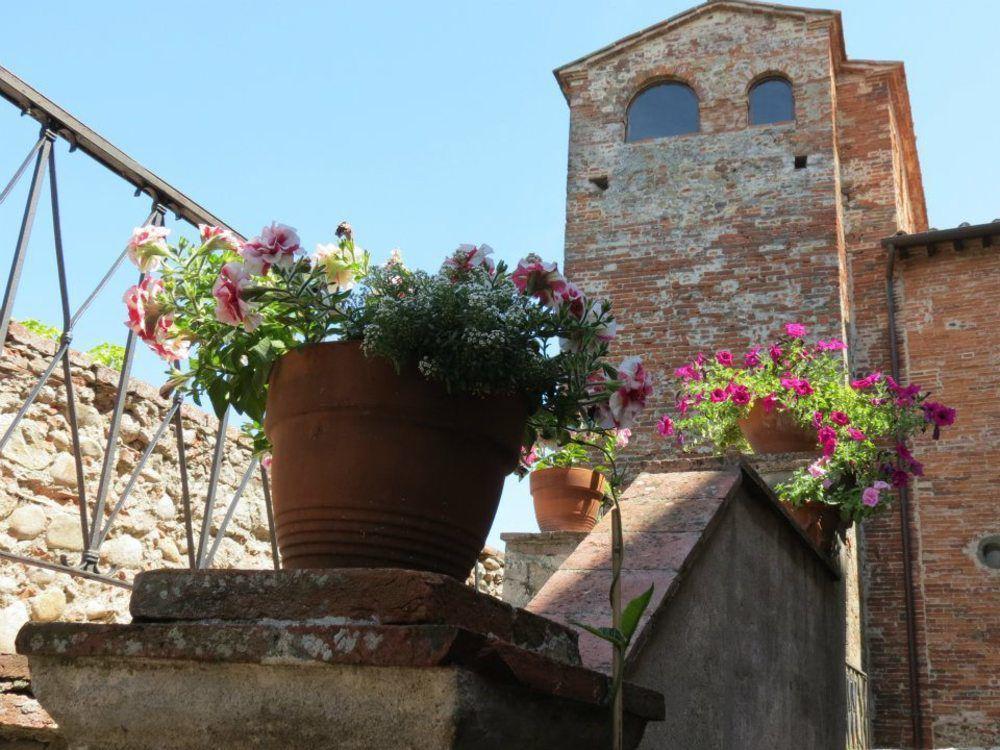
(346, 596)
(182, 705)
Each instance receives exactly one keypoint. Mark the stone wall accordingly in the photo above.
(39, 515)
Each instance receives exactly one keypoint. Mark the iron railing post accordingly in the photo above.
(24, 235)
(213, 483)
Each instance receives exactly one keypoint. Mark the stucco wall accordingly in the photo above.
(736, 673)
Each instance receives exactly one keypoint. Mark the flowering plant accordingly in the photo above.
(232, 308)
(860, 424)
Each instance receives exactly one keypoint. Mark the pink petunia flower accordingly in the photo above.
(230, 307)
(724, 357)
(466, 258)
(839, 417)
(776, 353)
(826, 434)
(817, 468)
(219, 237)
(147, 246)
(150, 324)
(908, 460)
(688, 373)
(769, 402)
(870, 497)
(622, 437)
(856, 434)
(535, 278)
(718, 395)
(799, 385)
(277, 245)
(629, 399)
(570, 298)
(817, 420)
(795, 330)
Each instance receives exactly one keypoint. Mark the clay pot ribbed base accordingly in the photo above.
(776, 431)
(377, 469)
(566, 499)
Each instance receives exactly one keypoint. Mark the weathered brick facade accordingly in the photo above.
(715, 238)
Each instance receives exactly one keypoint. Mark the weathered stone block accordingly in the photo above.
(295, 659)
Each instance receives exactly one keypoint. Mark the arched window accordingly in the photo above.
(771, 100)
(660, 110)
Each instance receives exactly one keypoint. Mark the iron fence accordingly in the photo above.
(96, 519)
(858, 713)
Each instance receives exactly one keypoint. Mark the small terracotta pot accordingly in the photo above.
(567, 499)
(776, 431)
(821, 522)
(373, 468)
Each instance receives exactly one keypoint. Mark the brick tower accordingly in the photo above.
(730, 170)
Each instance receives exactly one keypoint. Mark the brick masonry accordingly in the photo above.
(714, 239)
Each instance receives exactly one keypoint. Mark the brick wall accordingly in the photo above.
(950, 343)
(713, 240)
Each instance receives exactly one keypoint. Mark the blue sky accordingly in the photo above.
(425, 124)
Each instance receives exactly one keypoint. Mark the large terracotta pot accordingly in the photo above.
(377, 469)
(567, 499)
(821, 522)
(776, 431)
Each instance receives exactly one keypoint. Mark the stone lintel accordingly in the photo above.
(344, 596)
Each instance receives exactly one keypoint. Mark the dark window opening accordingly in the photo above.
(771, 100)
(600, 182)
(801, 162)
(989, 552)
(662, 110)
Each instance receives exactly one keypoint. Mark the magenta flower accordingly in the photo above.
(838, 417)
(817, 419)
(939, 415)
(529, 457)
(867, 382)
(665, 426)
(799, 385)
(833, 345)
(900, 478)
(535, 278)
(683, 405)
(769, 402)
(739, 394)
(717, 396)
(230, 307)
(795, 330)
(752, 358)
(775, 353)
(856, 434)
(622, 437)
(826, 434)
(724, 357)
(276, 246)
(688, 372)
(905, 395)
(908, 461)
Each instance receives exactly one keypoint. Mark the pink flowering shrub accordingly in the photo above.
(861, 425)
(231, 308)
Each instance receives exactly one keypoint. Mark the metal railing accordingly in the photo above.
(858, 710)
(96, 521)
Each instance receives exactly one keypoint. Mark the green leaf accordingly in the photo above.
(611, 635)
(633, 612)
(218, 393)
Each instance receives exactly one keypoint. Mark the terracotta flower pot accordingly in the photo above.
(821, 522)
(377, 469)
(776, 431)
(567, 499)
